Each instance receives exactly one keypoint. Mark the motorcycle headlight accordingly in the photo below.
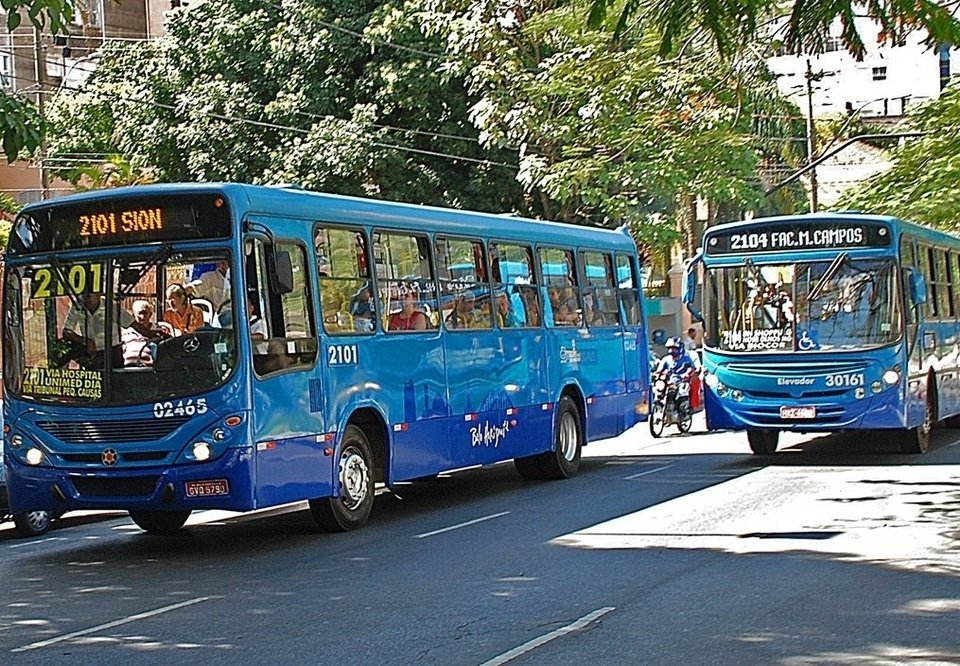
(660, 385)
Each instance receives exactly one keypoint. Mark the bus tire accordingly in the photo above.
(563, 461)
(763, 442)
(657, 416)
(32, 523)
(917, 440)
(160, 522)
(529, 468)
(351, 508)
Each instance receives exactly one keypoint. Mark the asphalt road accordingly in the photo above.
(683, 550)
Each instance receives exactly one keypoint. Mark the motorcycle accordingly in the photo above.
(671, 404)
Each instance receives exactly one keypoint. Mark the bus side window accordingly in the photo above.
(513, 279)
(346, 292)
(404, 274)
(562, 304)
(465, 298)
(627, 287)
(290, 338)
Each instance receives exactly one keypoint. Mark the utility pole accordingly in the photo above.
(41, 71)
(811, 141)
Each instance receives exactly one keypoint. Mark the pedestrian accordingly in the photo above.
(690, 341)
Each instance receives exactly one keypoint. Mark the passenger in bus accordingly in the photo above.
(464, 313)
(83, 331)
(409, 318)
(213, 286)
(361, 307)
(563, 307)
(507, 315)
(181, 313)
(531, 305)
(139, 340)
(591, 316)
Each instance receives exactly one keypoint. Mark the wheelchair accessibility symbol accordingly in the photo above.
(805, 343)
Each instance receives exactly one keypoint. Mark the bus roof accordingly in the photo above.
(282, 201)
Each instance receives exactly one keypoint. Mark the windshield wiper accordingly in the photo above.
(157, 258)
(827, 276)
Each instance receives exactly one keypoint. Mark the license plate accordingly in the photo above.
(798, 412)
(207, 488)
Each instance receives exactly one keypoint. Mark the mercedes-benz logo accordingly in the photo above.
(109, 457)
(191, 344)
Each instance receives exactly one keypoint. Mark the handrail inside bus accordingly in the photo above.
(827, 276)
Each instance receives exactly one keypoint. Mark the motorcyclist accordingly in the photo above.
(678, 362)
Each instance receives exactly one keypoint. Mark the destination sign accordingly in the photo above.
(120, 221)
(800, 235)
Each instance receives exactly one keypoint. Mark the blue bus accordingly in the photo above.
(830, 322)
(342, 345)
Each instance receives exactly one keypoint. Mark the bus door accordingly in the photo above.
(288, 419)
(636, 350)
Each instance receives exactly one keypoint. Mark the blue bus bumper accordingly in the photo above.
(877, 412)
(163, 489)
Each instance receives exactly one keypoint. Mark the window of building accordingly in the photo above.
(6, 71)
(832, 44)
(879, 73)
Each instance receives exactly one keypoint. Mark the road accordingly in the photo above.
(682, 550)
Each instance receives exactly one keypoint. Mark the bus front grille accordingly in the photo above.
(130, 486)
(799, 370)
(108, 432)
(134, 456)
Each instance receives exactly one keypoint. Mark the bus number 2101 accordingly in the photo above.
(342, 355)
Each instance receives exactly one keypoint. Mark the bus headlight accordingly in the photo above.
(736, 395)
(16, 440)
(712, 381)
(891, 377)
(201, 451)
(34, 456)
(219, 434)
(876, 386)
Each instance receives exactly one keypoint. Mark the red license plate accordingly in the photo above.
(207, 488)
(798, 412)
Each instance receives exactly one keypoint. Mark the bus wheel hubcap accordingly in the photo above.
(353, 478)
(568, 437)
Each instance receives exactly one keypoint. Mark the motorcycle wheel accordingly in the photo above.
(657, 416)
(684, 416)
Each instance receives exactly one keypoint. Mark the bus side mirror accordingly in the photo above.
(918, 288)
(659, 337)
(281, 272)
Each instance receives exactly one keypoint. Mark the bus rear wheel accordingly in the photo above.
(563, 461)
(160, 522)
(351, 508)
(763, 442)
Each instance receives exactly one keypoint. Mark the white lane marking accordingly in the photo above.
(37, 541)
(546, 638)
(649, 471)
(109, 625)
(459, 525)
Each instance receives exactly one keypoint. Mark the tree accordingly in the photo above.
(922, 184)
(340, 95)
(611, 132)
(20, 124)
(733, 24)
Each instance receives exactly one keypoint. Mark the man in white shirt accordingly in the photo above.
(213, 286)
(84, 330)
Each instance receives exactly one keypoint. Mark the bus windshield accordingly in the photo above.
(841, 304)
(128, 330)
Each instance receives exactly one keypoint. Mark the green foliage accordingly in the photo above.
(20, 125)
(731, 25)
(922, 185)
(606, 132)
(289, 91)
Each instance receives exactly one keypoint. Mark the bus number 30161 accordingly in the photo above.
(852, 379)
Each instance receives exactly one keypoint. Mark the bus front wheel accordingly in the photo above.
(160, 522)
(351, 508)
(763, 442)
(917, 440)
